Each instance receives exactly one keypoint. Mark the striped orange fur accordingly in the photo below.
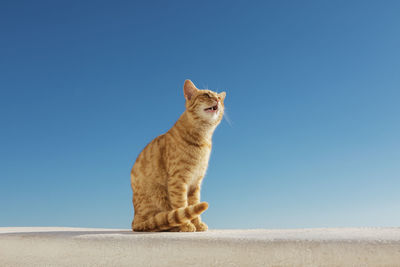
(167, 175)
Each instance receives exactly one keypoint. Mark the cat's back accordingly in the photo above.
(151, 160)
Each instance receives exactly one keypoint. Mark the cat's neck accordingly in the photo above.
(194, 129)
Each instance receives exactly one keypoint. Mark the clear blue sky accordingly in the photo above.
(313, 92)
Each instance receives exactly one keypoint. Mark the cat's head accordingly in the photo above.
(204, 105)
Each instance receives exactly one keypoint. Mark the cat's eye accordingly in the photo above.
(207, 95)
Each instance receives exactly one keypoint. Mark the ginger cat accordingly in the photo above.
(167, 174)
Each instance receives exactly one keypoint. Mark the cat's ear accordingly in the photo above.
(222, 95)
(189, 89)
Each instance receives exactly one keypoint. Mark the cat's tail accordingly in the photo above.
(168, 219)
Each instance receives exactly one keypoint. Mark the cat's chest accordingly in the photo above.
(201, 168)
(197, 167)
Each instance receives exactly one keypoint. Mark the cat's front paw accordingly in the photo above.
(187, 227)
(201, 227)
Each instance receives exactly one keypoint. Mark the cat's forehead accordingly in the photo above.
(203, 91)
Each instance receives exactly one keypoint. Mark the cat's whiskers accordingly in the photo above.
(226, 117)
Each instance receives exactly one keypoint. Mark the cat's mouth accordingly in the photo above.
(211, 109)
